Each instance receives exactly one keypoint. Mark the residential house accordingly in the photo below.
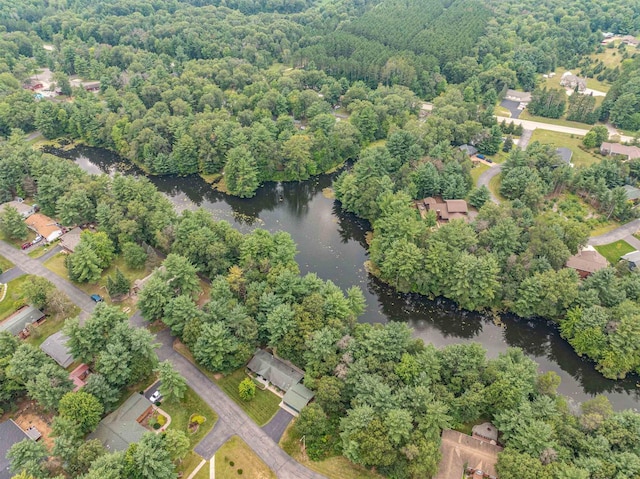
(55, 346)
(630, 40)
(10, 434)
(18, 323)
(587, 261)
(632, 259)
(633, 193)
(44, 226)
(283, 375)
(565, 155)
(87, 85)
(469, 150)
(519, 96)
(70, 240)
(631, 152)
(124, 425)
(447, 210)
(79, 376)
(24, 209)
(573, 82)
(466, 454)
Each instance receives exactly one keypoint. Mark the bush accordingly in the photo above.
(239, 472)
(231, 463)
(196, 418)
(247, 389)
(162, 420)
(134, 255)
(157, 425)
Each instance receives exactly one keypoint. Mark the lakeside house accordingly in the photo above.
(447, 210)
(611, 149)
(44, 226)
(587, 261)
(466, 456)
(270, 370)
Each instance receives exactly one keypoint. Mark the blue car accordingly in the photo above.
(480, 156)
(97, 298)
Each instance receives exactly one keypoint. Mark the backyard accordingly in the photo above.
(261, 408)
(613, 251)
(235, 459)
(580, 156)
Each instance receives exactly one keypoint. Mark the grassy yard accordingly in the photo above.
(580, 156)
(477, 170)
(592, 83)
(235, 459)
(525, 115)
(13, 299)
(17, 243)
(57, 265)
(52, 325)
(181, 411)
(613, 251)
(261, 408)
(5, 264)
(337, 467)
(494, 187)
(189, 463)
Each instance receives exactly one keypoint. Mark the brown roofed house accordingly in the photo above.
(79, 376)
(631, 152)
(71, 239)
(44, 226)
(448, 209)
(587, 262)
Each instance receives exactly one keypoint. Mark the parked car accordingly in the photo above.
(37, 239)
(155, 397)
(480, 156)
(26, 245)
(97, 298)
(489, 160)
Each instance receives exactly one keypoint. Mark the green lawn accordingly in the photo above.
(181, 411)
(261, 408)
(53, 324)
(13, 299)
(5, 264)
(580, 157)
(189, 463)
(613, 251)
(235, 459)
(494, 187)
(337, 467)
(525, 115)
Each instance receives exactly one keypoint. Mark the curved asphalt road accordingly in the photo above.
(486, 177)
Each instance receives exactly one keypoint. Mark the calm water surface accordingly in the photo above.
(331, 242)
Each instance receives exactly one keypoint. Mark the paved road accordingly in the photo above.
(523, 142)
(51, 253)
(532, 125)
(231, 419)
(10, 275)
(278, 424)
(485, 178)
(633, 241)
(616, 234)
(32, 266)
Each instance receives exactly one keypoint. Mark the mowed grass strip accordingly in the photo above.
(613, 251)
(235, 459)
(14, 297)
(5, 264)
(261, 408)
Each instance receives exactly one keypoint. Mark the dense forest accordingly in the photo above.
(382, 397)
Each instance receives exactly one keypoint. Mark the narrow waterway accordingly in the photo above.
(332, 243)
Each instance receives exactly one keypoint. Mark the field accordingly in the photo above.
(13, 299)
(337, 467)
(261, 408)
(613, 251)
(181, 411)
(580, 156)
(235, 459)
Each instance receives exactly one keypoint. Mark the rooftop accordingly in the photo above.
(565, 154)
(518, 95)
(631, 152)
(468, 149)
(56, 347)
(78, 376)
(633, 257)
(21, 319)
(298, 396)
(23, 208)
(486, 431)
(121, 427)
(71, 239)
(275, 370)
(42, 224)
(587, 260)
(633, 193)
(10, 434)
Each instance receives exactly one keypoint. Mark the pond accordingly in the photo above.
(331, 243)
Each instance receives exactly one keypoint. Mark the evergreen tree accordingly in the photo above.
(241, 172)
(12, 224)
(173, 385)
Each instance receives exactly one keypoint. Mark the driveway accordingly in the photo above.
(512, 106)
(152, 389)
(32, 266)
(485, 178)
(617, 234)
(10, 275)
(50, 254)
(276, 427)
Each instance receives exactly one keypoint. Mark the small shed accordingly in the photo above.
(56, 348)
(565, 155)
(79, 376)
(297, 397)
(281, 374)
(18, 321)
(10, 434)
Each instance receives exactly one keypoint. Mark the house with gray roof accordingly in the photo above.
(123, 426)
(274, 370)
(18, 322)
(632, 192)
(633, 259)
(565, 155)
(468, 149)
(573, 82)
(10, 434)
(55, 346)
(71, 239)
(519, 96)
(297, 397)
(24, 209)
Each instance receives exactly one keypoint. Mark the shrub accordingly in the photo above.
(157, 425)
(247, 389)
(239, 472)
(162, 420)
(231, 463)
(196, 418)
